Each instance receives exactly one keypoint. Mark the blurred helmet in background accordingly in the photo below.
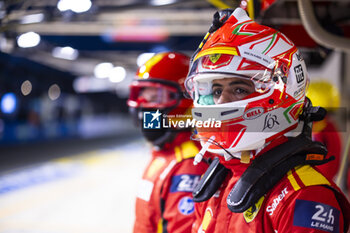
(323, 93)
(159, 85)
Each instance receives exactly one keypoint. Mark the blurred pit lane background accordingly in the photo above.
(70, 157)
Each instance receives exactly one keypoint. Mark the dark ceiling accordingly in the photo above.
(119, 31)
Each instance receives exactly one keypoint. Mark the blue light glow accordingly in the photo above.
(8, 103)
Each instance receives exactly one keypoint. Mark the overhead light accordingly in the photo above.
(162, 2)
(54, 92)
(63, 5)
(67, 53)
(34, 18)
(117, 74)
(138, 33)
(78, 6)
(103, 70)
(8, 103)
(26, 87)
(29, 39)
(86, 84)
(143, 57)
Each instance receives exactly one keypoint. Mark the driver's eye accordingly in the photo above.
(217, 92)
(241, 91)
(149, 94)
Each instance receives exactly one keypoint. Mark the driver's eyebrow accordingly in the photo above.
(217, 85)
(239, 82)
(232, 83)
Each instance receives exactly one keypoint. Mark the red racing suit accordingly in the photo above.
(302, 201)
(326, 132)
(164, 201)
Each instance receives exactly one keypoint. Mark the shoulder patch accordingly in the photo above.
(184, 183)
(185, 151)
(316, 215)
(186, 206)
(155, 166)
(145, 190)
(305, 175)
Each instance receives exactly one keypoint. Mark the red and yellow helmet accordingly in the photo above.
(159, 85)
(166, 72)
(323, 93)
(245, 50)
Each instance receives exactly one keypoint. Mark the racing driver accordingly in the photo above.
(253, 79)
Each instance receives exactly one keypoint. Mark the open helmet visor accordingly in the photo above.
(147, 94)
(207, 68)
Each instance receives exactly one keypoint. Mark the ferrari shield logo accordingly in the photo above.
(251, 213)
(217, 60)
(206, 220)
(214, 58)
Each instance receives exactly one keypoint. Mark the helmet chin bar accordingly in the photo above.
(226, 154)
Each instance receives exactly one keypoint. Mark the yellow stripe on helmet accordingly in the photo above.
(149, 64)
(216, 50)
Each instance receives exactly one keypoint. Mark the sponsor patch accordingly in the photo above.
(186, 206)
(206, 220)
(299, 74)
(145, 190)
(298, 92)
(251, 213)
(216, 61)
(276, 201)
(184, 183)
(253, 113)
(270, 121)
(257, 57)
(214, 58)
(316, 215)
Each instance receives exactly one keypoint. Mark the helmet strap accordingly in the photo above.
(311, 114)
(245, 157)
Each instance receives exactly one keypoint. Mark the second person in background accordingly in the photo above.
(164, 201)
(323, 93)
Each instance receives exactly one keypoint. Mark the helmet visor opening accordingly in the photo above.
(152, 95)
(235, 75)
